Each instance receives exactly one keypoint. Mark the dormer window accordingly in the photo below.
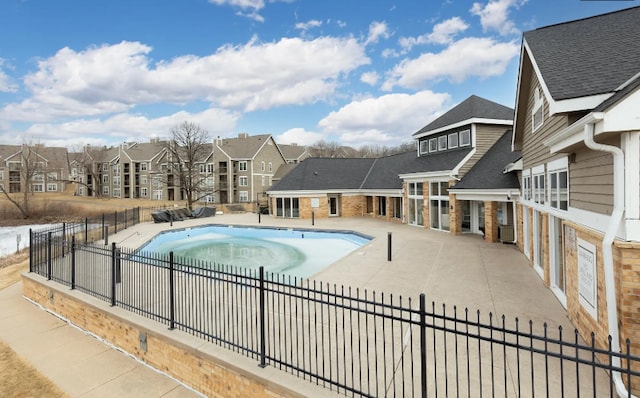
(453, 140)
(464, 138)
(538, 108)
(433, 145)
(442, 142)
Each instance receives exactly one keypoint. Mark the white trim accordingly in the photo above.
(474, 120)
(419, 177)
(631, 145)
(591, 308)
(572, 134)
(501, 195)
(558, 164)
(456, 170)
(515, 166)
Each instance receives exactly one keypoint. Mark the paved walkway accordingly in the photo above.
(457, 270)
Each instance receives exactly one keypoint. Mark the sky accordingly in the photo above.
(356, 72)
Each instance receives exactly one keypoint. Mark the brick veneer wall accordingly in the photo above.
(352, 206)
(491, 221)
(205, 367)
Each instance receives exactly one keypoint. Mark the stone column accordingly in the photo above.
(491, 221)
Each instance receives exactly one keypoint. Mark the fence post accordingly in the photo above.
(389, 246)
(125, 218)
(423, 345)
(86, 230)
(115, 222)
(118, 265)
(113, 274)
(172, 302)
(73, 262)
(263, 345)
(313, 217)
(64, 237)
(103, 231)
(30, 250)
(49, 256)
(138, 215)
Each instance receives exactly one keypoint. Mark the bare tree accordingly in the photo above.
(29, 168)
(188, 148)
(90, 162)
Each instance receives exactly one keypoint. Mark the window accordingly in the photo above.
(52, 187)
(382, 206)
(262, 166)
(52, 175)
(210, 168)
(464, 138)
(143, 166)
(105, 190)
(538, 188)
(526, 187)
(156, 182)
(144, 180)
(116, 192)
(270, 167)
(37, 187)
(264, 180)
(157, 194)
(538, 109)
(116, 180)
(558, 184)
(1, 175)
(243, 196)
(453, 140)
(244, 181)
(242, 166)
(424, 146)
(442, 142)
(105, 179)
(202, 168)
(105, 166)
(144, 192)
(38, 177)
(433, 145)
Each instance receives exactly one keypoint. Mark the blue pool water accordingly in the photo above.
(300, 253)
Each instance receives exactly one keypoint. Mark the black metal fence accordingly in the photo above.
(357, 342)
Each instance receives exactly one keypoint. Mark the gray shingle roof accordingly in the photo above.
(243, 147)
(319, 174)
(292, 152)
(472, 107)
(487, 172)
(588, 56)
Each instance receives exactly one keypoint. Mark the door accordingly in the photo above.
(333, 206)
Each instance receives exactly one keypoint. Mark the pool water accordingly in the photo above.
(296, 252)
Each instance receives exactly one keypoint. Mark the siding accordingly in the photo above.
(486, 136)
(533, 152)
(591, 181)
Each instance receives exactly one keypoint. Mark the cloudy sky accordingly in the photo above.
(76, 72)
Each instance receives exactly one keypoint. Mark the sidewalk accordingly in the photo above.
(78, 363)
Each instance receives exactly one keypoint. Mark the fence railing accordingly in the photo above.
(357, 342)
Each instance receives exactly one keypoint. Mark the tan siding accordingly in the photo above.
(486, 136)
(591, 181)
(533, 152)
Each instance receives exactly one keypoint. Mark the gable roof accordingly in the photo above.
(487, 172)
(293, 152)
(586, 57)
(471, 108)
(244, 147)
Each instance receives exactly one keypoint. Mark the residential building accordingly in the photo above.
(294, 153)
(577, 125)
(33, 168)
(414, 187)
(244, 167)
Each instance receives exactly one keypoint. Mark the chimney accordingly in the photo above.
(243, 135)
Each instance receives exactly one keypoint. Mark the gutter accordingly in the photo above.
(607, 246)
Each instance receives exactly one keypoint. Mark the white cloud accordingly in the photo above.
(304, 26)
(114, 78)
(370, 78)
(442, 33)
(471, 56)
(130, 127)
(6, 84)
(250, 8)
(389, 119)
(495, 15)
(377, 30)
(299, 136)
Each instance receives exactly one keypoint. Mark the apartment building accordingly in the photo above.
(33, 168)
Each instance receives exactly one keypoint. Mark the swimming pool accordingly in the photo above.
(296, 252)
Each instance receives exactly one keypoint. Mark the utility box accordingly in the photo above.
(506, 234)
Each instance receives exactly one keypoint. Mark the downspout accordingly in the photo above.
(607, 246)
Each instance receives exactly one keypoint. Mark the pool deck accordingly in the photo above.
(464, 271)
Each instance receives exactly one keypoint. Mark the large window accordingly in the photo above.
(442, 143)
(52, 187)
(244, 181)
(465, 138)
(382, 206)
(526, 185)
(144, 192)
(539, 190)
(416, 204)
(439, 205)
(424, 146)
(242, 166)
(243, 196)
(287, 207)
(453, 140)
(433, 145)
